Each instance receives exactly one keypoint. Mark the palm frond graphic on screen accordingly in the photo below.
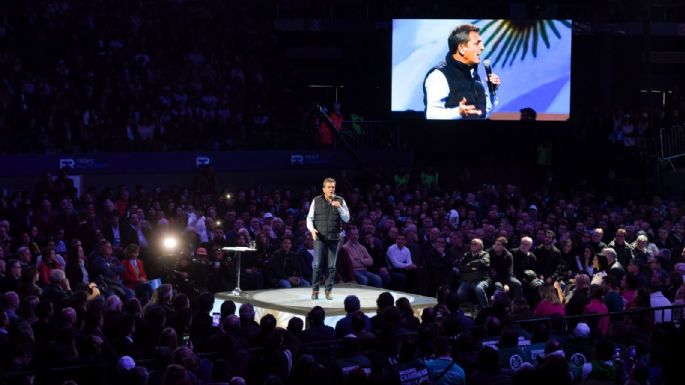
(509, 39)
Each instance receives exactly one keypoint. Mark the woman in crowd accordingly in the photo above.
(134, 276)
(597, 306)
(76, 269)
(600, 264)
(550, 303)
(48, 263)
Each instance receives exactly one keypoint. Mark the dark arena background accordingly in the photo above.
(163, 164)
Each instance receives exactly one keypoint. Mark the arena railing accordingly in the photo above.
(672, 144)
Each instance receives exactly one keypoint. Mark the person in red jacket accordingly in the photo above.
(134, 273)
(48, 263)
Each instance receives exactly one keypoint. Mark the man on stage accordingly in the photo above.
(326, 215)
(453, 89)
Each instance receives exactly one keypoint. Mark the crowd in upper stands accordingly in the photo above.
(76, 272)
(137, 76)
(141, 76)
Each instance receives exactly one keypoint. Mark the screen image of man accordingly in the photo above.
(326, 214)
(453, 89)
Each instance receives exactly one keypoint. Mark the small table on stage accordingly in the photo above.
(238, 250)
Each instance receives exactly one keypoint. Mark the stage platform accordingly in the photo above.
(287, 303)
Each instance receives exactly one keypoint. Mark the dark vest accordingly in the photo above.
(462, 85)
(326, 220)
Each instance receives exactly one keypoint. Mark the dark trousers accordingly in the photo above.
(324, 251)
(514, 285)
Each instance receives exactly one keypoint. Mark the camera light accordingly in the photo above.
(170, 243)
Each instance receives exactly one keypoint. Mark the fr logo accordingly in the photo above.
(67, 163)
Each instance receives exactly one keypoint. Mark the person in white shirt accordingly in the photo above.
(327, 213)
(402, 267)
(657, 299)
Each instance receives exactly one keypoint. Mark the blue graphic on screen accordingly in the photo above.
(532, 58)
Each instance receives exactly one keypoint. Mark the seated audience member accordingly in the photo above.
(47, 264)
(285, 268)
(442, 369)
(135, 277)
(356, 260)
(600, 267)
(550, 265)
(623, 252)
(58, 289)
(474, 270)
(601, 368)
(579, 296)
(401, 265)
(612, 294)
(596, 306)
(317, 331)
(408, 365)
(489, 370)
(502, 268)
(657, 299)
(615, 267)
(550, 304)
(380, 265)
(344, 326)
(108, 271)
(520, 310)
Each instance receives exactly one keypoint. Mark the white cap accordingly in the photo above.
(126, 363)
(582, 330)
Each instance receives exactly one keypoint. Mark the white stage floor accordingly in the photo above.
(287, 303)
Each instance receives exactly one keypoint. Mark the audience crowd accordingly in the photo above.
(77, 273)
(577, 286)
(142, 76)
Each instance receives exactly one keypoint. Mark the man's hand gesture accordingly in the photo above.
(466, 110)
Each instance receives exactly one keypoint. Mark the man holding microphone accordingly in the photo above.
(326, 214)
(453, 89)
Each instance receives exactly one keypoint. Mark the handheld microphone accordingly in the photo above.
(488, 72)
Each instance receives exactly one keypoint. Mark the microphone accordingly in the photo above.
(488, 72)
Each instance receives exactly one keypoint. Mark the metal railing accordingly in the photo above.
(672, 144)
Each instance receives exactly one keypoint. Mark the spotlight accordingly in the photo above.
(228, 196)
(170, 243)
(218, 223)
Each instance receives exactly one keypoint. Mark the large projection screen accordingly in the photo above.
(532, 58)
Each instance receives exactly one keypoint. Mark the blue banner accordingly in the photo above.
(170, 162)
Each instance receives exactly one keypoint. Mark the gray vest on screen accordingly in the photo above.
(326, 220)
